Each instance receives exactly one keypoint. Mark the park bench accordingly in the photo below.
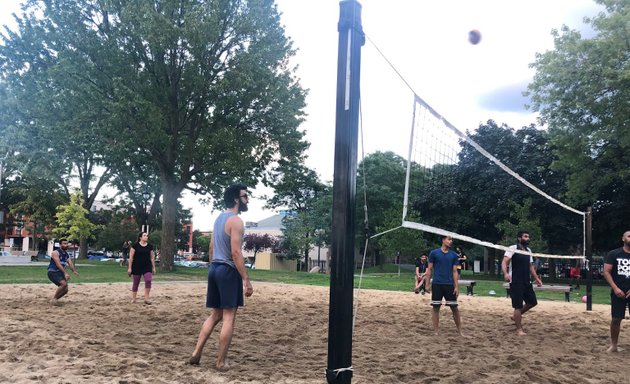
(469, 284)
(553, 288)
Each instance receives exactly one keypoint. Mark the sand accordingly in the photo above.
(96, 336)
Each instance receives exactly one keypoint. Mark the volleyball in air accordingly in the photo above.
(474, 37)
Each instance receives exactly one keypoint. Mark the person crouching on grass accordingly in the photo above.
(57, 273)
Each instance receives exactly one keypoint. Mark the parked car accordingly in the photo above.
(96, 255)
(40, 257)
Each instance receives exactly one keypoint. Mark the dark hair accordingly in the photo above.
(442, 237)
(231, 193)
(520, 234)
(140, 235)
(62, 240)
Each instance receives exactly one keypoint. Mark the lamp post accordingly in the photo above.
(145, 198)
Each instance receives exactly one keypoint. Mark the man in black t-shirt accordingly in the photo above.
(617, 274)
(521, 289)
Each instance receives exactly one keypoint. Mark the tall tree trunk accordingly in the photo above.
(170, 195)
(492, 265)
(83, 247)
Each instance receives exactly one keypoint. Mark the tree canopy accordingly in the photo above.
(581, 89)
(201, 91)
(72, 221)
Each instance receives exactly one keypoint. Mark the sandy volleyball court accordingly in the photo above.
(281, 337)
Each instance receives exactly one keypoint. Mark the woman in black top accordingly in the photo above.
(141, 264)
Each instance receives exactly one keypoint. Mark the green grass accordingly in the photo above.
(386, 279)
(91, 272)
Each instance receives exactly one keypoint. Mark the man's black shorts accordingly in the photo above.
(225, 287)
(522, 292)
(446, 291)
(56, 277)
(618, 306)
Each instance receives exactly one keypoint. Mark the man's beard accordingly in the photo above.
(627, 243)
(524, 243)
(242, 207)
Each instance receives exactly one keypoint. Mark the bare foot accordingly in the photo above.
(55, 302)
(194, 360)
(520, 332)
(463, 336)
(613, 349)
(133, 301)
(223, 367)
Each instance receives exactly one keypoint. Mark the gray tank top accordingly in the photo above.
(221, 249)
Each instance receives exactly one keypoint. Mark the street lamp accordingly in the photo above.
(145, 199)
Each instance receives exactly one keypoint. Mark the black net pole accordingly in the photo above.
(351, 38)
(588, 252)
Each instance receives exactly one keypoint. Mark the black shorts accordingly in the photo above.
(225, 287)
(56, 277)
(446, 291)
(618, 306)
(522, 292)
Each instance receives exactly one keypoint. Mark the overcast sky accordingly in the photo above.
(426, 41)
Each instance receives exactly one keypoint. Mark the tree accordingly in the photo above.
(201, 243)
(296, 240)
(479, 194)
(581, 91)
(406, 242)
(72, 221)
(202, 89)
(46, 109)
(36, 199)
(256, 242)
(297, 188)
(523, 218)
(381, 180)
(116, 232)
